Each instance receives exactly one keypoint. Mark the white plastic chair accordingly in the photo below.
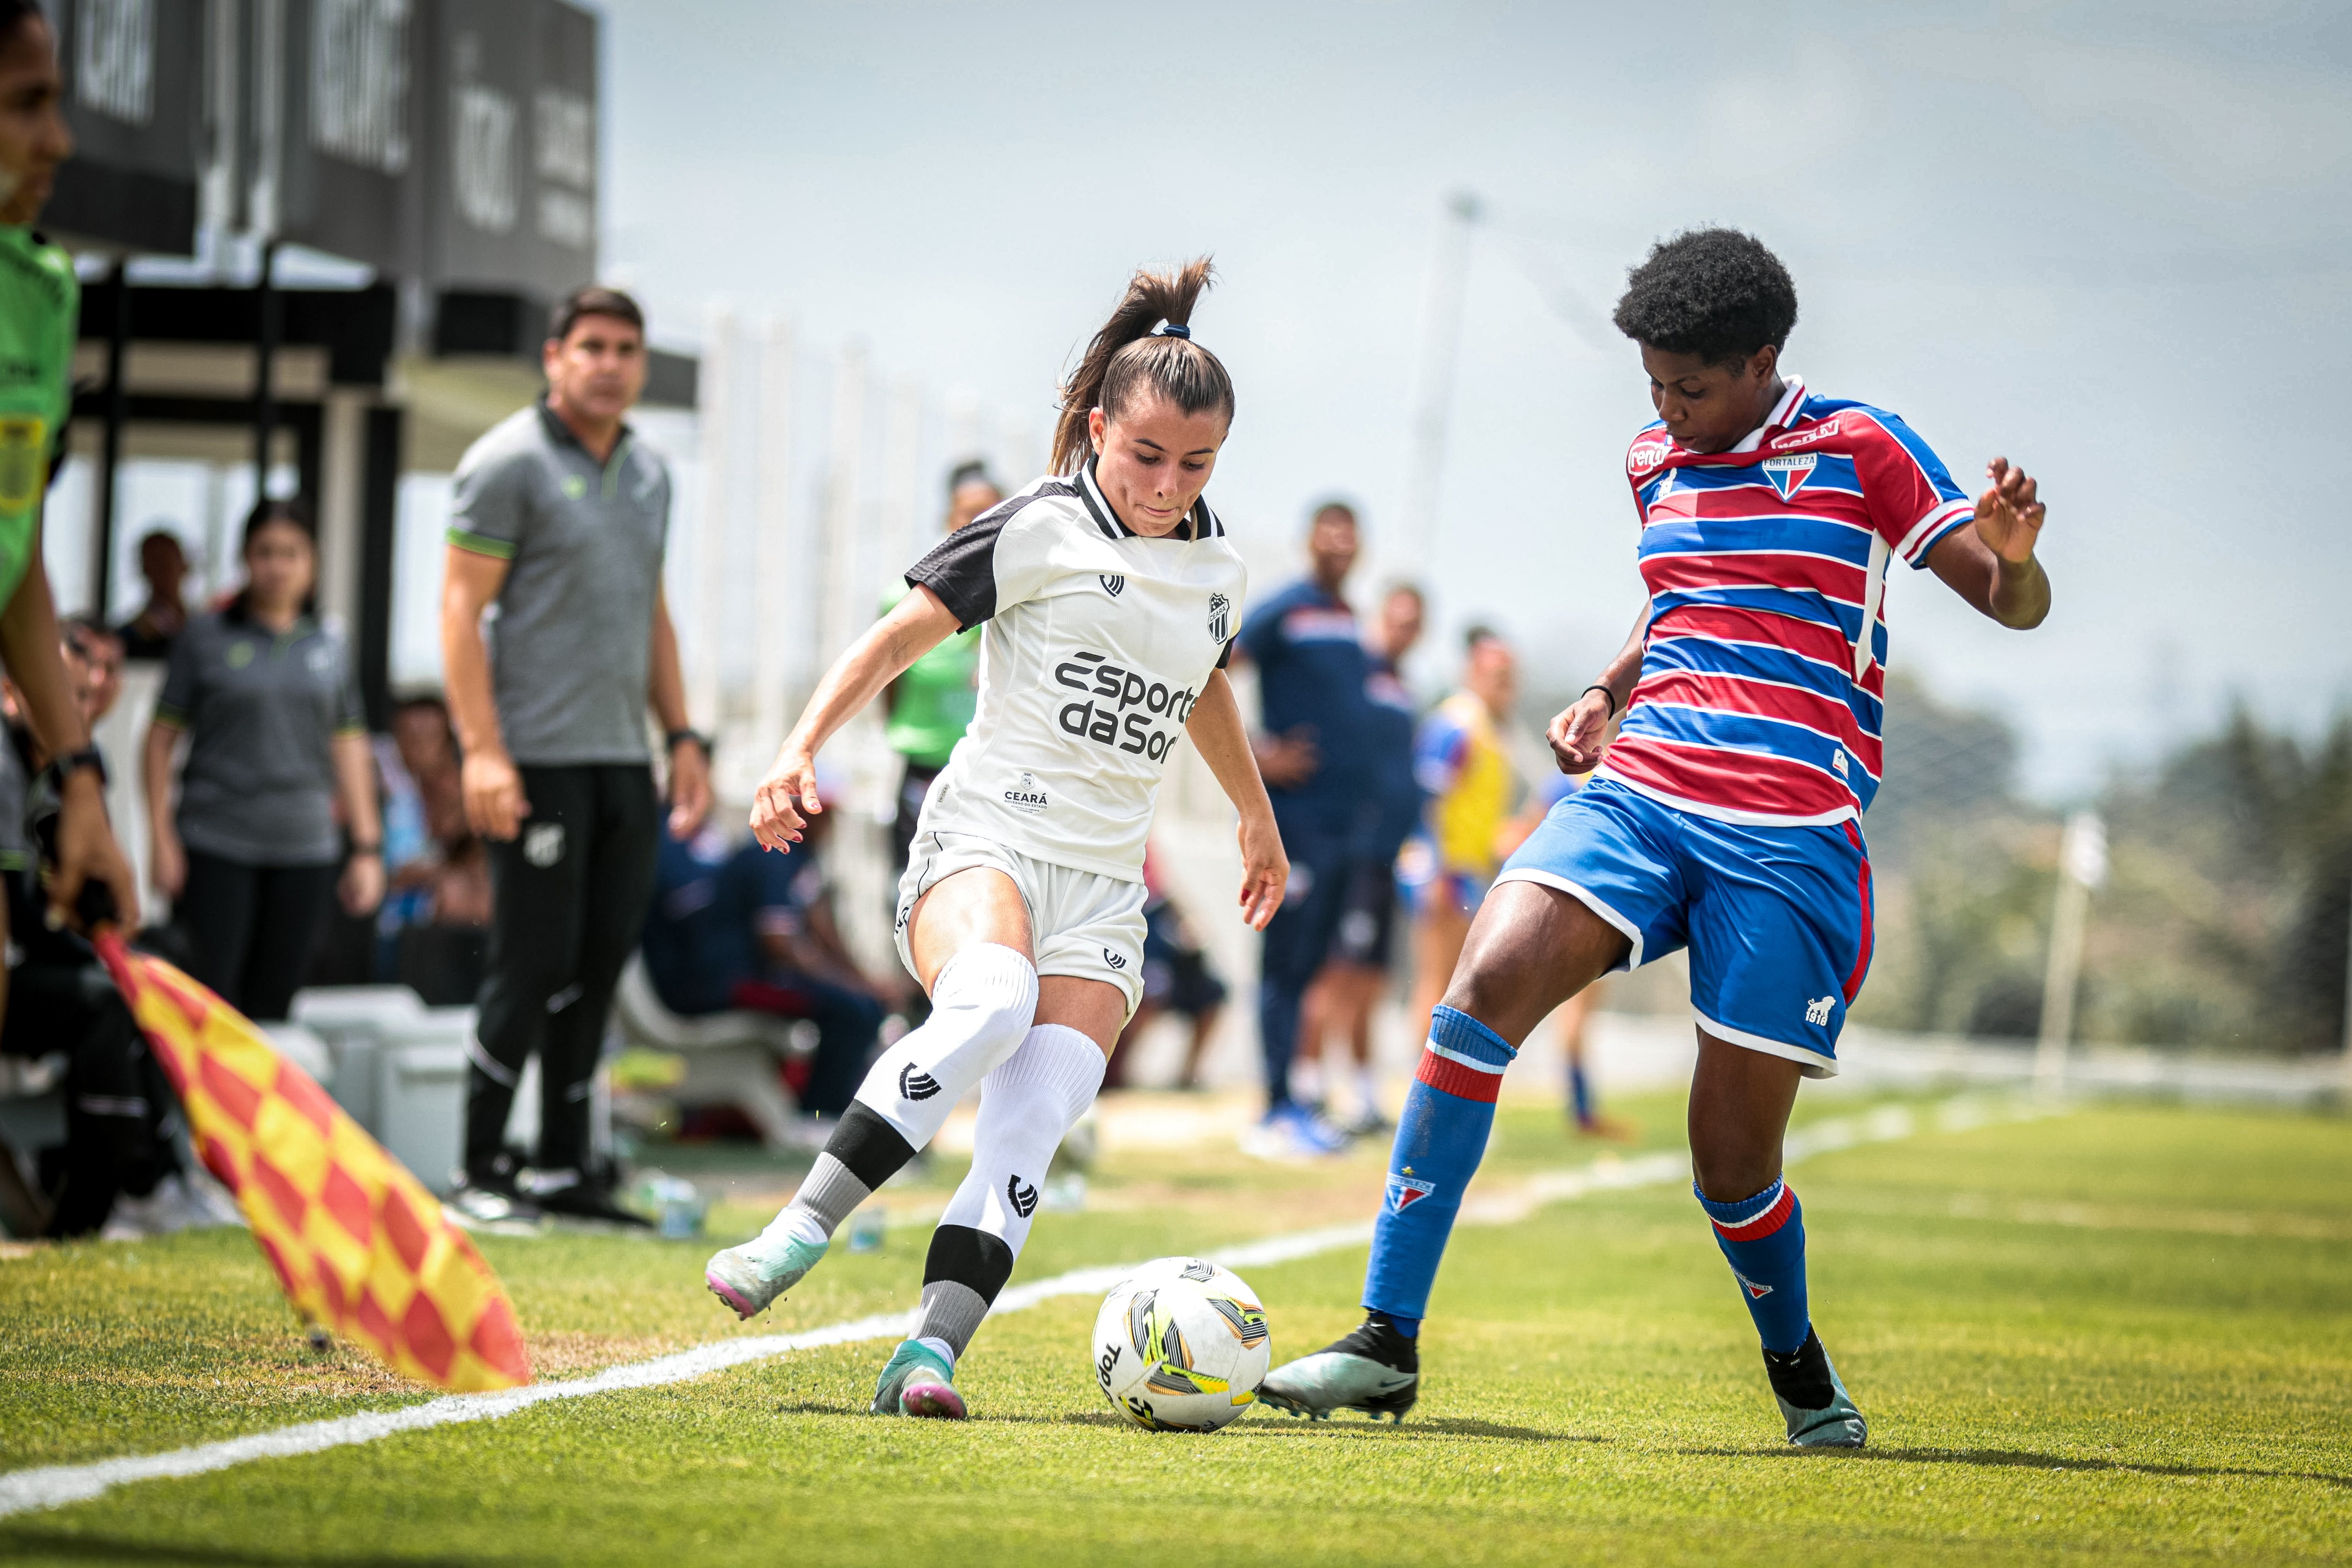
(730, 1057)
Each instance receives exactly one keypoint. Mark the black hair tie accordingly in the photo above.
(1172, 330)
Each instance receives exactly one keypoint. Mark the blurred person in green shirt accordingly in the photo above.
(931, 705)
(40, 308)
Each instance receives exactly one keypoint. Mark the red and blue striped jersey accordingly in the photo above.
(1764, 667)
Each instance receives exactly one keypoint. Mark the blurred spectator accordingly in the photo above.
(739, 927)
(1474, 788)
(249, 852)
(1340, 1001)
(1312, 671)
(86, 637)
(165, 564)
(1177, 979)
(931, 705)
(434, 930)
(119, 1106)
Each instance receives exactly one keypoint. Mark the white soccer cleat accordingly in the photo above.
(917, 1381)
(749, 1280)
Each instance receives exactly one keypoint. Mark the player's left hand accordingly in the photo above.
(2010, 514)
(689, 789)
(1578, 734)
(1265, 869)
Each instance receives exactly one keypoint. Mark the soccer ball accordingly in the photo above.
(1180, 1345)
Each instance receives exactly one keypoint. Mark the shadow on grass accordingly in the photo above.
(2018, 1459)
(75, 1547)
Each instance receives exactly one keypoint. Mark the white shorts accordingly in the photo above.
(1081, 923)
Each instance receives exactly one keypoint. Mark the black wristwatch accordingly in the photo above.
(74, 762)
(677, 737)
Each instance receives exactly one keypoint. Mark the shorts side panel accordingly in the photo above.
(1780, 929)
(1612, 851)
(1091, 927)
(936, 856)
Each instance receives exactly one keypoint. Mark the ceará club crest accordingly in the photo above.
(1221, 614)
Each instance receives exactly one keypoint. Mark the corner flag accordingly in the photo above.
(358, 1243)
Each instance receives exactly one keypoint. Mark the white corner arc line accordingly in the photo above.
(55, 1486)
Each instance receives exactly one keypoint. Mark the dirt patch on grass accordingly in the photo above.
(573, 1354)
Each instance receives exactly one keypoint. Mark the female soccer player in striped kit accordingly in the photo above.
(1726, 817)
(1111, 596)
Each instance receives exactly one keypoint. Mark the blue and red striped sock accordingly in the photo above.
(1764, 1238)
(1441, 1137)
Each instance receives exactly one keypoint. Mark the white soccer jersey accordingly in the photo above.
(1098, 643)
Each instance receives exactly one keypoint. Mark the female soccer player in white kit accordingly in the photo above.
(1110, 595)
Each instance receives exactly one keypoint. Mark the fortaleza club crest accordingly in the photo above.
(1405, 1189)
(1787, 474)
(1221, 615)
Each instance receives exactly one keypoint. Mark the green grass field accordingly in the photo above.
(2120, 1332)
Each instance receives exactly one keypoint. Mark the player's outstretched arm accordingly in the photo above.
(1578, 733)
(1216, 727)
(787, 797)
(1993, 565)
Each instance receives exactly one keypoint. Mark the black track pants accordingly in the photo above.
(253, 928)
(571, 890)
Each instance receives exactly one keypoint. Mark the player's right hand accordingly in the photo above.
(1580, 734)
(785, 800)
(495, 805)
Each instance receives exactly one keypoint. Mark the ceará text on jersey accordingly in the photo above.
(1111, 691)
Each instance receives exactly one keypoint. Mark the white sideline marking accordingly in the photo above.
(57, 1485)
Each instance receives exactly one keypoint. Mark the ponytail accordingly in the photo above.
(1127, 357)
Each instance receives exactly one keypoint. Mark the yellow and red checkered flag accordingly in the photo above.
(358, 1243)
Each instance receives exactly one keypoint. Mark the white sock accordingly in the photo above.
(1366, 1092)
(1306, 1080)
(981, 1007)
(1027, 1105)
(940, 1348)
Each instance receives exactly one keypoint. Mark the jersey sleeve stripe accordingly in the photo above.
(1929, 531)
(482, 544)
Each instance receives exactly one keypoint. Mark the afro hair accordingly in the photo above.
(1715, 293)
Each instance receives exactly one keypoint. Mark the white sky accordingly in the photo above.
(2105, 240)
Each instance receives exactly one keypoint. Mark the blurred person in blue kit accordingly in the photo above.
(247, 848)
(1312, 753)
(734, 927)
(1340, 1001)
(556, 534)
(433, 932)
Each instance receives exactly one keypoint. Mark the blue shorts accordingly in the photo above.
(1777, 920)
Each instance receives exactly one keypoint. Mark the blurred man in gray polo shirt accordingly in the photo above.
(557, 533)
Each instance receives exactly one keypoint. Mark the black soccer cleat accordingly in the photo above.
(1814, 1401)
